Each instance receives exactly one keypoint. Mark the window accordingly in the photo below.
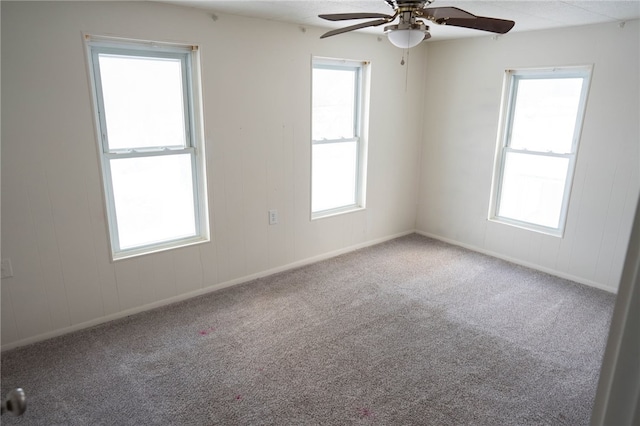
(542, 118)
(148, 120)
(338, 147)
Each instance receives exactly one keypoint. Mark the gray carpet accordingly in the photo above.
(411, 331)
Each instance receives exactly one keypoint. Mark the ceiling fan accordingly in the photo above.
(411, 29)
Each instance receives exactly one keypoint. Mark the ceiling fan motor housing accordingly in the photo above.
(408, 4)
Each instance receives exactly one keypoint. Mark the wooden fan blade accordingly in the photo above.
(355, 27)
(347, 16)
(438, 13)
(500, 26)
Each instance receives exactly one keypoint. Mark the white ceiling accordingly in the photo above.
(529, 15)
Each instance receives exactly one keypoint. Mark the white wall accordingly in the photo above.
(256, 78)
(463, 94)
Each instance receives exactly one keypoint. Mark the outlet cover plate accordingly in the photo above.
(273, 217)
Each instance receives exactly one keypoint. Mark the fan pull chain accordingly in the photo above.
(406, 76)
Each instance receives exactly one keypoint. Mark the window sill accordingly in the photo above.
(142, 251)
(559, 233)
(336, 212)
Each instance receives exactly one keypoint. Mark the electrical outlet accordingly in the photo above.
(7, 270)
(273, 217)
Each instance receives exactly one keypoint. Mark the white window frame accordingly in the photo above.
(511, 79)
(361, 114)
(194, 146)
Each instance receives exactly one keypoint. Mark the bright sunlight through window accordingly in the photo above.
(337, 167)
(153, 174)
(543, 112)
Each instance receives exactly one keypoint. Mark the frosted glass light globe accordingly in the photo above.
(405, 39)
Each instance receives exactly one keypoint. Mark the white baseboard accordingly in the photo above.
(549, 271)
(200, 292)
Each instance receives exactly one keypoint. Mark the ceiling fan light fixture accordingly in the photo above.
(405, 39)
(406, 36)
